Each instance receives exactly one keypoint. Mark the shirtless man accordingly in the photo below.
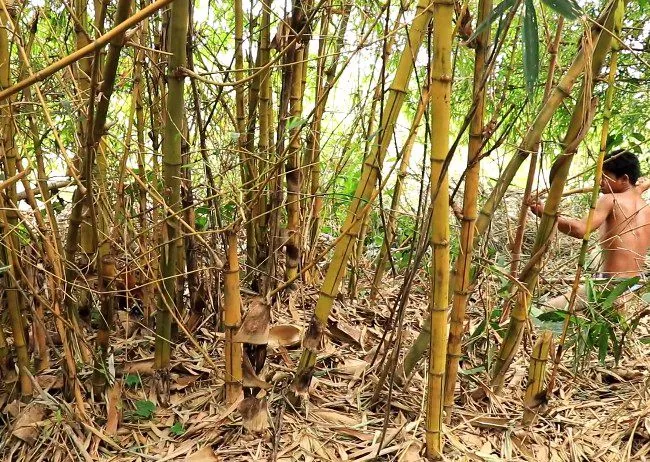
(622, 217)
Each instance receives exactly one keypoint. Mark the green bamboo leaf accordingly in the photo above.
(496, 13)
(530, 36)
(618, 290)
(603, 344)
(567, 8)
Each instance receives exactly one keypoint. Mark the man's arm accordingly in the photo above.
(578, 228)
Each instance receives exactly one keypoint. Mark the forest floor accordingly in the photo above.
(600, 413)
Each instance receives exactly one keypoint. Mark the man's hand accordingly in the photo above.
(536, 206)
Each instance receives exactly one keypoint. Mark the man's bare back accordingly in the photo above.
(625, 233)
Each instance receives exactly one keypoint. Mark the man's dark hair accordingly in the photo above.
(623, 162)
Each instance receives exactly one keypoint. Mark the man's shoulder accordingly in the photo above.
(607, 200)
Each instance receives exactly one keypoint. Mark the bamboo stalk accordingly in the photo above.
(391, 221)
(536, 372)
(171, 175)
(8, 201)
(232, 321)
(533, 136)
(440, 114)
(53, 250)
(582, 256)
(462, 282)
(324, 84)
(265, 133)
(105, 261)
(246, 160)
(357, 256)
(292, 170)
(364, 191)
(578, 127)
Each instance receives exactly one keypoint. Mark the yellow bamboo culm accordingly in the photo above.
(232, 321)
(9, 253)
(293, 170)
(364, 194)
(440, 111)
(462, 282)
(391, 222)
(536, 372)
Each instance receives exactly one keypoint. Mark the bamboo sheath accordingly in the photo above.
(364, 191)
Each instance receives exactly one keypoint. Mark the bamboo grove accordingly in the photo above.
(206, 166)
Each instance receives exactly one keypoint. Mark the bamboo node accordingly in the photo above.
(313, 335)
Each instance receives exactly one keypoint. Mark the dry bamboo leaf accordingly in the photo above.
(114, 408)
(205, 454)
(26, 426)
(345, 333)
(353, 367)
(490, 422)
(355, 434)
(13, 408)
(141, 366)
(305, 445)
(284, 335)
(412, 453)
(183, 381)
(541, 453)
(295, 315)
(523, 448)
(129, 323)
(473, 441)
(335, 418)
(50, 382)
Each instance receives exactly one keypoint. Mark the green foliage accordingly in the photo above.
(497, 12)
(144, 409)
(567, 8)
(602, 331)
(201, 214)
(132, 380)
(177, 429)
(530, 36)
